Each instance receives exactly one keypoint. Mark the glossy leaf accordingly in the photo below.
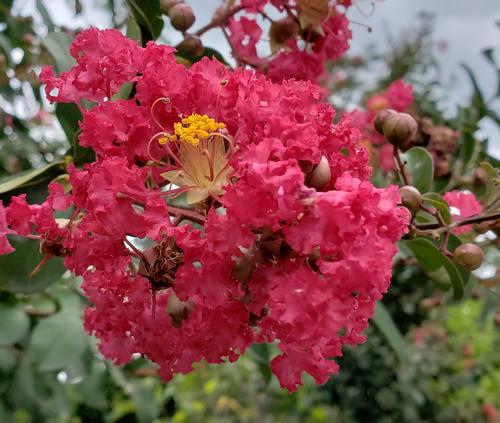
(148, 15)
(431, 259)
(437, 201)
(57, 44)
(420, 164)
(16, 267)
(133, 30)
(384, 322)
(29, 177)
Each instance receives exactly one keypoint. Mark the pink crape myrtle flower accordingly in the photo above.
(281, 237)
(463, 204)
(304, 38)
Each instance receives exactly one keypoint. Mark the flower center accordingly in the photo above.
(199, 150)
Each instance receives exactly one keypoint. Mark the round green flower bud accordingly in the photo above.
(181, 16)
(380, 118)
(399, 129)
(410, 197)
(469, 256)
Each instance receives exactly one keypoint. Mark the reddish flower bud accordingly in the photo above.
(282, 30)
(191, 45)
(179, 310)
(220, 13)
(381, 118)
(320, 175)
(410, 198)
(165, 5)
(469, 256)
(399, 129)
(181, 16)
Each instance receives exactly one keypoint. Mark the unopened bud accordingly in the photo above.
(181, 16)
(220, 13)
(399, 129)
(381, 118)
(410, 198)
(191, 45)
(179, 310)
(312, 12)
(282, 30)
(320, 175)
(469, 256)
(165, 5)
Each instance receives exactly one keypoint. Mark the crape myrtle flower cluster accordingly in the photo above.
(303, 35)
(281, 237)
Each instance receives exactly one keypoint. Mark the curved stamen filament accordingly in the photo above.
(210, 159)
(152, 111)
(153, 138)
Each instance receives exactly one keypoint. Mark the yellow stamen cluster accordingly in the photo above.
(192, 129)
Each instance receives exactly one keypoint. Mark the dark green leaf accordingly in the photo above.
(124, 91)
(421, 167)
(260, 354)
(440, 204)
(29, 177)
(207, 52)
(148, 15)
(467, 148)
(57, 44)
(16, 267)
(431, 259)
(384, 322)
(8, 360)
(478, 97)
(14, 324)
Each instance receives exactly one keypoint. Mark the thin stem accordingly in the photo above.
(190, 214)
(401, 166)
(467, 221)
(221, 21)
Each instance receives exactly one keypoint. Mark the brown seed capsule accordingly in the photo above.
(380, 119)
(165, 5)
(282, 30)
(410, 198)
(469, 256)
(181, 16)
(191, 45)
(320, 175)
(399, 129)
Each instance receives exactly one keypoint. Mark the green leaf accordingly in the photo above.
(6, 48)
(260, 354)
(57, 44)
(45, 15)
(59, 342)
(384, 322)
(142, 394)
(207, 52)
(29, 177)
(14, 324)
(8, 360)
(440, 204)
(467, 148)
(421, 167)
(491, 175)
(148, 15)
(15, 268)
(133, 30)
(477, 97)
(431, 259)
(124, 91)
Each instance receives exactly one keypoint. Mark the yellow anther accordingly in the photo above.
(194, 128)
(162, 140)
